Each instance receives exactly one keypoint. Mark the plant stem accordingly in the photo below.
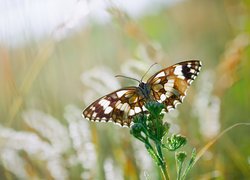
(179, 169)
(164, 171)
(158, 147)
(190, 164)
(158, 158)
(162, 164)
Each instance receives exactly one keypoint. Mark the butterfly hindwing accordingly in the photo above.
(119, 107)
(169, 86)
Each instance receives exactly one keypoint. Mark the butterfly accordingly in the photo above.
(168, 86)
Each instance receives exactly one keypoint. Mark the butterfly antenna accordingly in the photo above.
(147, 71)
(127, 77)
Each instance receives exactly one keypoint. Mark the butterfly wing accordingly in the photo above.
(119, 107)
(169, 86)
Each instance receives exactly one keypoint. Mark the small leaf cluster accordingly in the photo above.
(150, 129)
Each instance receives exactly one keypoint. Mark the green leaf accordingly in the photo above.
(175, 142)
(180, 158)
(154, 107)
(190, 164)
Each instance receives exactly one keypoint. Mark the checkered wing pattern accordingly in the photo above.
(169, 86)
(118, 107)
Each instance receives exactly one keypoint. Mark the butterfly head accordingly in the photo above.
(144, 89)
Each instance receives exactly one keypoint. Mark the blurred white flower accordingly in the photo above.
(30, 143)
(50, 128)
(80, 134)
(101, 80)
(172, 118)
(143, 160)
(111, 170)
(14, 163)
(56, 166)
(207, 106)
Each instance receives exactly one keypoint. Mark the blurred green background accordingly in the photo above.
(46, 83)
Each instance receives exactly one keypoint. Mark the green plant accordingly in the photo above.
(154, 133)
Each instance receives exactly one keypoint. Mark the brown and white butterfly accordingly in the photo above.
(168, 86)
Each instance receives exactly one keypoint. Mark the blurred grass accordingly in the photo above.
(46, 76)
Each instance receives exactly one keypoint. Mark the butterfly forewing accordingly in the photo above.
(118, 107)
(169, 86)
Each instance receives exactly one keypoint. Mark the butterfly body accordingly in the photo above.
(167, 86)
(144, 90)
